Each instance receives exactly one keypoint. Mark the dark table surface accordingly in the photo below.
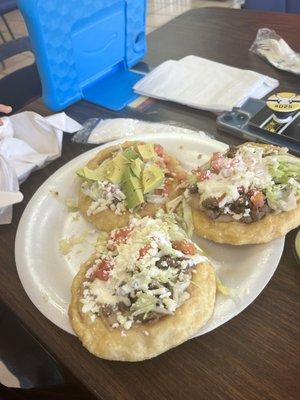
(256, 354)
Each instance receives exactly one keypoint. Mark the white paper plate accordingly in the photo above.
(47, 275)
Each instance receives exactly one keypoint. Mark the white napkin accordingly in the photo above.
(28, 141)
(204, 84)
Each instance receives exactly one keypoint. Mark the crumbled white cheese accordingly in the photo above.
(101, 293)
(105, 195)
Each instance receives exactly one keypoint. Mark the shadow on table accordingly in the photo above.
(39, 375)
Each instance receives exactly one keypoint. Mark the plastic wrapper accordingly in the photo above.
(101, 131)
(272, 47)
(238, 3)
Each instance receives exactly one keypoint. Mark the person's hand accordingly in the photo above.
(4, 109)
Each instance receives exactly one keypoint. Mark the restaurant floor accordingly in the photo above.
(22, 361)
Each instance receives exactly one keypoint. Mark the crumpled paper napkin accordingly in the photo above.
(29, 141)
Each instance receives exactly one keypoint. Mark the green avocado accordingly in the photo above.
(90, 174)
(136, 167)
(121, 160)
(130, 153)
(146, 151)
(132, 189)
(115, 168)
(153, 177)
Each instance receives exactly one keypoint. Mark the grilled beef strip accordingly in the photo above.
(211, 208)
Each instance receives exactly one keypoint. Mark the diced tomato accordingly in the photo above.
(144, 250)
(184, 246)
(159, 150)
(203, 175)
(216, 162)
(104, 268)
(102, 274)
(258, 199)
(118, 237)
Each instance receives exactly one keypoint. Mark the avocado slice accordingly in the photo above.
(90, 174)
(130, 153)
(106, 169)
(146, 151)
(136, 167)
(134, 197)
(115, 168)
(132, 189)
(120, 159)
(153, 177)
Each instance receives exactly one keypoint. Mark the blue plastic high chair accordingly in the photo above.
(84, 49)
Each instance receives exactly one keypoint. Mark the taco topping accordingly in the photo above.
(142, 273)
(105, 195)
(129, 178)
(246, 183)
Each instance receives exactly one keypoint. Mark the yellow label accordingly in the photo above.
(273, 126)
(284, 102)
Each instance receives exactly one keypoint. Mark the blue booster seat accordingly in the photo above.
(84, 49)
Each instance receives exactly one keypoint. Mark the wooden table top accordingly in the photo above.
(253, 356)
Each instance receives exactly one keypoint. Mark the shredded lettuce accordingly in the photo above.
(101, 243)
(66, 245)
(144, 305)
(188, 218)
(286, 175)
(72, 205)
(286, 170)
(282, 197)
(169, 217)
(166, 276)
(173, 204)
(192, 179)
(221, 288)
(182, 218)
